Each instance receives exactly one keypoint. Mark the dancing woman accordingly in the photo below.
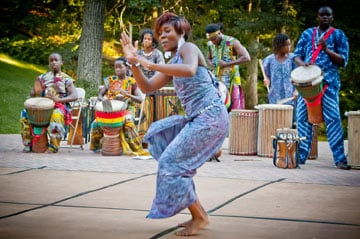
(181, 144)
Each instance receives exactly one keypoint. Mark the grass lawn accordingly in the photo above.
(17, 79)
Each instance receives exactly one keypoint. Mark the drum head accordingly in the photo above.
(116, 105)
(305, 75)
(167, 89)
(287, 134)
(353, 113)
(244, 112)
(39, 103)
(274, 107)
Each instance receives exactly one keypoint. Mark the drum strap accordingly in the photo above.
(275, 150)
(317, 99)
(319, 47)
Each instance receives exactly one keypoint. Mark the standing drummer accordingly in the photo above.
(334, 54)
(225, 54)
(59, 87)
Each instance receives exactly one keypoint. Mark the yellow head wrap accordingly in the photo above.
(210, 35)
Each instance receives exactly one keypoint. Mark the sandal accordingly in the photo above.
(26, 149)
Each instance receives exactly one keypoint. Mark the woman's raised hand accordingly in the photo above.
(130, 51)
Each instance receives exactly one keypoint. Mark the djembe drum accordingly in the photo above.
(271, 118)
(309, 83)
(39, 111)
(353, 138)
(286, 147)
(110, 115)
(243, 132)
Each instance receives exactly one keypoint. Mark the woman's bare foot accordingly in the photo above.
(188, 223)
(193, 227)
(185, 224)
(199, 220)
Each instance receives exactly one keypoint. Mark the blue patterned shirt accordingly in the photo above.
(336, 42)
(279, 75)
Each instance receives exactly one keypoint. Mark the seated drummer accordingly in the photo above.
(59, 87)
(124, 88)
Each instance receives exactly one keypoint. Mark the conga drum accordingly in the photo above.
(110, 116)
(243, 132)
(271, 118)
(353, 138)
(166, 103)
(39, 110)
(309, 83)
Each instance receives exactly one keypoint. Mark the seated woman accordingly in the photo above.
(123, 88)
(59, 87)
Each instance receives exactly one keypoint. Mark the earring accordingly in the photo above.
(181, 42)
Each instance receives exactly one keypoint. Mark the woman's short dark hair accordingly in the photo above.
(180, 24)
(151, 32)
(279, 41)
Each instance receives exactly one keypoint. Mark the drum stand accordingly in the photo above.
(214, 158)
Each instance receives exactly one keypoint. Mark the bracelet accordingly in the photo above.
(137, 64)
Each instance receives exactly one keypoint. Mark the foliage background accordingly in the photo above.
(31, 29)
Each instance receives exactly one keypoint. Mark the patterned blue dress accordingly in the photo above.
(279, 73)
(181, 144)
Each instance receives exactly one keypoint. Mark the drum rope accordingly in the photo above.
(36, 137)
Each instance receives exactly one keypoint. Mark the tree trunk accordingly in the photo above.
(252, 75)
(251, 96)
(91, 43)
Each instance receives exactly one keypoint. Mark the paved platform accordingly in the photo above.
(78, 194)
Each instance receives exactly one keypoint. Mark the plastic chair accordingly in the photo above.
(77, 117)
